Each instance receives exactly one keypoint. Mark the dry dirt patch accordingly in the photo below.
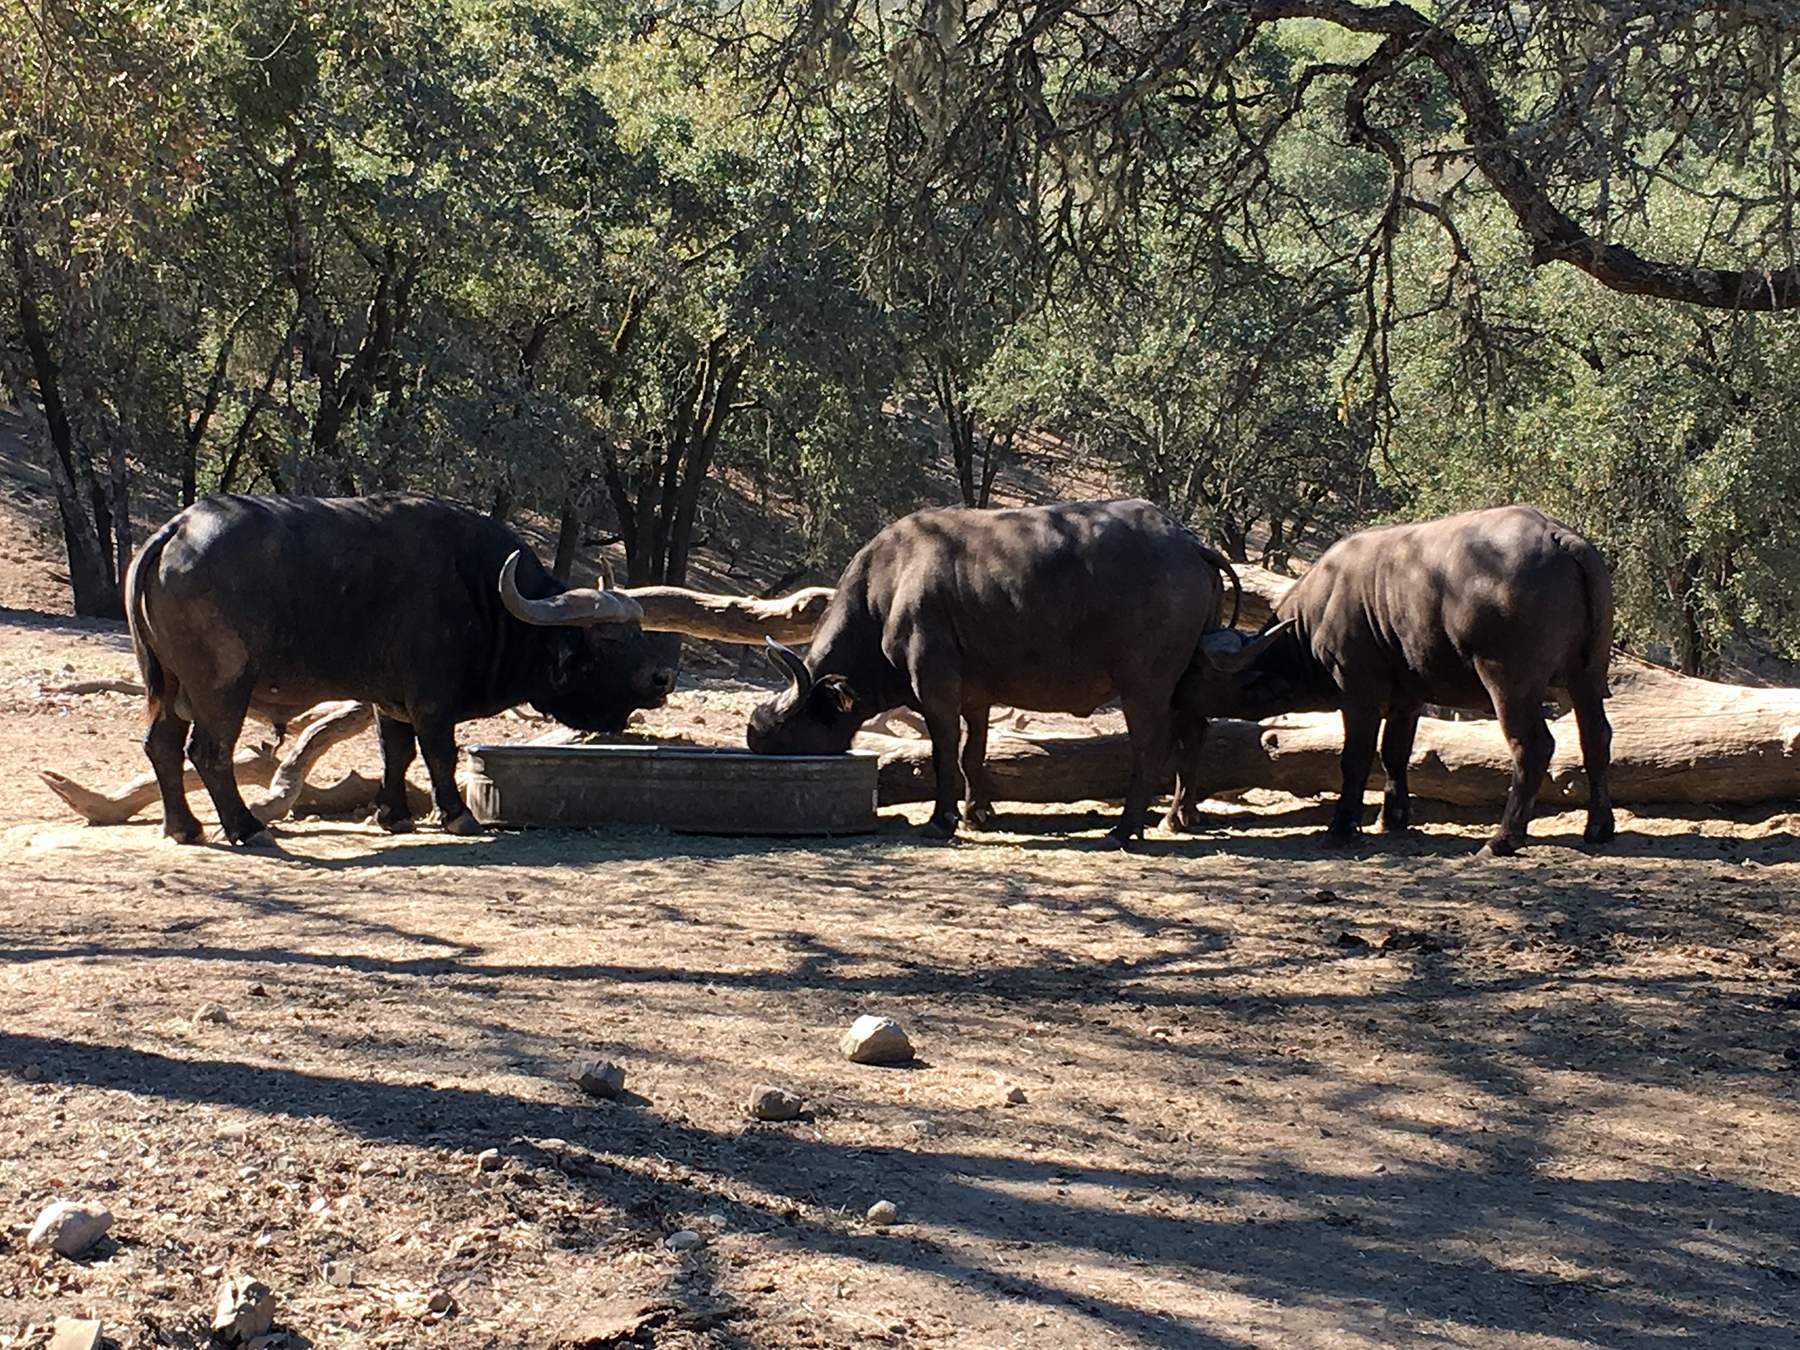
(1271, 1095)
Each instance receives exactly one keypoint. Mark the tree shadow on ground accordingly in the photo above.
(1356, 1246)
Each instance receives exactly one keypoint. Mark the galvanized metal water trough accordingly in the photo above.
(688, 788)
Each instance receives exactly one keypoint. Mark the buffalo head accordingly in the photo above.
(811, 717)
(1238, 674)
(595, 666)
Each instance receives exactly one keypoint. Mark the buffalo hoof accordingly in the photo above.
(1341, 838)
(395, 824)
(256, 839)
(1599, 831)
(1191, 822)
(465, 825)
(980, 815)
(184, 834)
(1121, 838)
(1499, 847)
(938, 828)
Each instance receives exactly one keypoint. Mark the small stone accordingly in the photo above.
(440, 1301)
(1351, 941)
(488, 1160)
(876, 1040)
(368, 1167)
(69, 1227)
(599, 1078)
(75, 1333)
(258, 991)
(883, 1212)
(683, 1239)
(1015, 1096)
(339, 1274)
(245, 1310)
(211, 1012)
(31, 1073)
(773, 1103)
(232, 1134)
(1162, 1033)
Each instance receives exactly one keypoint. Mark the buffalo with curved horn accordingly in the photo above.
(1052, 608)
(432, 612)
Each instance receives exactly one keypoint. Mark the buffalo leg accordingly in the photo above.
(1396, 752)
(215, 731)
(1596, 757)
(437, 745)
(1149, 725)
(1522, 720)
(165, 741)
(392, 811)
(1184, 801)
(943, 722)
(1362, 725)
(978, 809)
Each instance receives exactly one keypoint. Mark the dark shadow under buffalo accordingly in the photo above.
(430, 611)
(1487, 609)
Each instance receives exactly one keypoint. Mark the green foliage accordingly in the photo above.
(1667, 435)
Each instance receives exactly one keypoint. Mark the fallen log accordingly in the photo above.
(789, 619)
(1676, 740)
(328, 725)
(289, 793)
(255, 766)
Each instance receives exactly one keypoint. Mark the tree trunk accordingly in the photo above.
(92, 581)
(568, 539)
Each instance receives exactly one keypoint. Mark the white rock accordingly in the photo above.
(246, 1309)
(488, 1160)
(210, 1012)
(883, 1212)
(773, 1103)
(75, 1333)
(339, 1274)
(69, 1227)
(235, 1134)
(876, 1040)
(683, 1239)
(599, 1078)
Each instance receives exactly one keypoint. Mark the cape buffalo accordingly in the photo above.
(1051, 608)
(432, 612)
(1485, 609)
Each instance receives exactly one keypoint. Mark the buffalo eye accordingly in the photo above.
(836, 691)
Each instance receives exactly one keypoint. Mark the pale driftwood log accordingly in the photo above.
(1676, 740)
(253, 766)
(330, 724)
(731, 618)
(289, 793)
(95, 687)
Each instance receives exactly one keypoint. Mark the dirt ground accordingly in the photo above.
(1231, 1091)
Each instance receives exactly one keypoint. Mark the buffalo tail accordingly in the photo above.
(155, 680)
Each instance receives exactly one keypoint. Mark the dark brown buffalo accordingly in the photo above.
(430, 611)
(1052, 608)
(1488, 609)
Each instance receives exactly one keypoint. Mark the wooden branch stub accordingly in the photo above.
(731, 618)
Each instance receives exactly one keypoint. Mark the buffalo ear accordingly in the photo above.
(838, 692)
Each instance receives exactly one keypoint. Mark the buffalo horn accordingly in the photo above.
(1228, 653)
(788, 662)
(578, 606)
